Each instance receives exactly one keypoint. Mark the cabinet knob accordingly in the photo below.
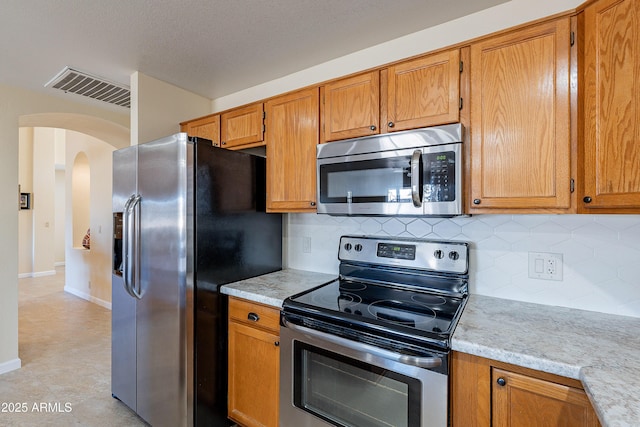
(372, 127)
(476, 201)
(312, 203)
(390, 124)
(277, 343)
(253, 317)
(587, 199)
(224, 143)
(501, 382)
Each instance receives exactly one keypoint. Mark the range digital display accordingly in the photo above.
(396, 251)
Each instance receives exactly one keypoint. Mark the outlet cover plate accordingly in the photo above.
(545, 266)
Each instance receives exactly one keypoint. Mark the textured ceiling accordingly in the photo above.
(210, 47)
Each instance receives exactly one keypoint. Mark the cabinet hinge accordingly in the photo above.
(264, 128)
(573, 38)
(460, 106)
(572, 185)
(264, 115)
(461, 66)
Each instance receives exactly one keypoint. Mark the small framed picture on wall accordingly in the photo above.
(25, 200)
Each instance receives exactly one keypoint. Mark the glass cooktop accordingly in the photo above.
(412, 310)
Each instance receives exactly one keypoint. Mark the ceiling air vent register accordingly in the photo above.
(81, 83)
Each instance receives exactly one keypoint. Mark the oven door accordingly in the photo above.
(327, 380)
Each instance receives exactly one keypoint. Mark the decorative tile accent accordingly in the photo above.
(601, 253)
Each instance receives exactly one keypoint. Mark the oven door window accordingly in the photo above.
(348, 392)
(385, 180)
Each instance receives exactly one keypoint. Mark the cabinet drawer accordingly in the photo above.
(254, 314)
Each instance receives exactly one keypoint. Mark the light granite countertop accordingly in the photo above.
(273, 288)
(601, 350)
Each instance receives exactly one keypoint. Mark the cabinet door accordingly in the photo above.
(612, 105)
(520, 120)
(292, 136)
(520, 400)
(254, 373)
(352, 107)
(243, 126)
(206, 127)
(424, 92)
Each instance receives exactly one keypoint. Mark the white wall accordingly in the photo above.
(88, 272)
(25, 216)
(157, 108)
(509, 14)
(43, 201)
(14, 104)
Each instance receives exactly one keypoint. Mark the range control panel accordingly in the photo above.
(433, 255)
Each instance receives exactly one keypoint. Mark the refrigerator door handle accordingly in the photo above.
(136, 287)
(126, 269)
(129, 266)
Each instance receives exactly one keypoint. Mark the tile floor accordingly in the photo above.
(65, 348)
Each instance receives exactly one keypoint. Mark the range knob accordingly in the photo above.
(347, 246)
(453, 255)
(358, 247)
(438, 254)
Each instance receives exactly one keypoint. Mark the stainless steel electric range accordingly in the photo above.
(371, 348)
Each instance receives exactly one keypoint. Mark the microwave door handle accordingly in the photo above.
(421, 362)
(416, 178)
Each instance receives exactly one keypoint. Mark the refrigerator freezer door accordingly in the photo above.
(164, 325)
(123, 315)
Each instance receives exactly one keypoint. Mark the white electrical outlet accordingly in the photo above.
(545, 266)
(306, 245)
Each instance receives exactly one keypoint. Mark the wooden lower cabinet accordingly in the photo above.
(487, 393)
(254, 364)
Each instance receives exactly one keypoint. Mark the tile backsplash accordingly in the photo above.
(600, 253)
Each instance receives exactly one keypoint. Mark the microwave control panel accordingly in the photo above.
(439, 177)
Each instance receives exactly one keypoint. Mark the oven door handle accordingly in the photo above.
(421, 362)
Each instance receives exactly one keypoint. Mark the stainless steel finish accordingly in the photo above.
(159, 384)
(123, 315)
(436, 139)
(416, 160)
(425, 137)
(433, 404)
(163, 373)
(420, 362)
(431, 255)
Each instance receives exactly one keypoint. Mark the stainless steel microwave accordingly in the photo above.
(413, 173)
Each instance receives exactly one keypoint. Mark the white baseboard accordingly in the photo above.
(9, 366)
(44, 273)
(36, 274)
(85, 296)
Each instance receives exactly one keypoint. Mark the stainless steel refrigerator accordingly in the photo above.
(188, 218)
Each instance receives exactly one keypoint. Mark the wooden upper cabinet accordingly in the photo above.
(424, 92)
(243, 127)
(411, 94)
(520, 120)
(352, 107)
(521, 400)
(206, 127)
(611, 106)
(292, 134)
